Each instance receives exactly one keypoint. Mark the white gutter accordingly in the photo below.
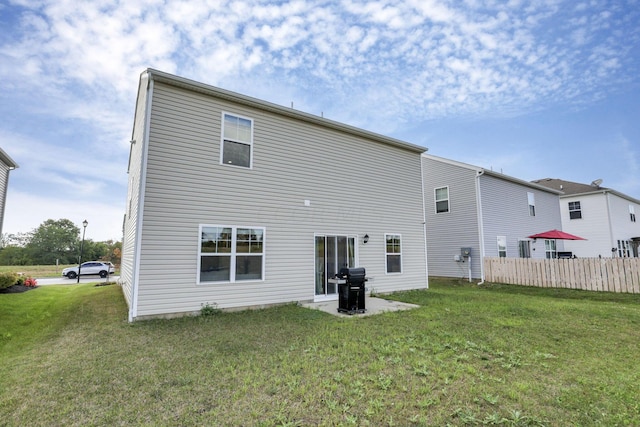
(480, 225)
(133, 311)
(424, 222)
(613, 244)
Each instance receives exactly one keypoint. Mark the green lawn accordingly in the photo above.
(490, 355)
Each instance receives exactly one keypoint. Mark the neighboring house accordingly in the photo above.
(490, 213)
(603, 216)
(238, 203)
(6, 165)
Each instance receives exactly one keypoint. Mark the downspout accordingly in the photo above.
(480, 225)
(133, 312)
(613, 244)
(424, 222)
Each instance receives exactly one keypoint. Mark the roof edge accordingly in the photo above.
(8, 160)
(183, 82)
(484, 171)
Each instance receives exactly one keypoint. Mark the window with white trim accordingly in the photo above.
(624, 248)
(393, 253)
(230, 254)
(502, 246)
(442, 199)
(550, 251)
(237, 141)
(575, 211)
(632, 213)
(532, 203)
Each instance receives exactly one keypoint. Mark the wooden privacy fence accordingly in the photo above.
(590, 274)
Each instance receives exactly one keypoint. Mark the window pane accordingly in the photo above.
(215, 268)
(215, 240)
(442, 206)
(248, 267)
(442, 193)
(393, 264)
(237, 129)
(236, 154)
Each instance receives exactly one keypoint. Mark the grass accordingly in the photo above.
(490, 355)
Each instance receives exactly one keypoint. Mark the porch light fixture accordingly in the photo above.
(365, 239)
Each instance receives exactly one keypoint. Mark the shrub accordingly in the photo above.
(7, 279)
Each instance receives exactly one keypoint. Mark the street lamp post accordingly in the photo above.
(84, 229)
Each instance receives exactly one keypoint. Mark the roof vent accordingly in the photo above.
(596, 183)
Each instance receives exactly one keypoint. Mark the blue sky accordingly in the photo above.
(535, 89)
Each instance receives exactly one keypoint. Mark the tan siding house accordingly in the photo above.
(6, 165)
(240, 203)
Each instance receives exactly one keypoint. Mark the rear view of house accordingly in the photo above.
(474, 213)
(239, 203)
(6, 165)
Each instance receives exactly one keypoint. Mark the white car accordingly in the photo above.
(89, 268)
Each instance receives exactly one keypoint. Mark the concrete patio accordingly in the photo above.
(373, 306)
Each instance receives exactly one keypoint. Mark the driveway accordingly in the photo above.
(84, 279)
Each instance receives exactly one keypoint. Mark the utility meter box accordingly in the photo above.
(465, 252)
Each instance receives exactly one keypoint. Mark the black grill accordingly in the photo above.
(351, 292)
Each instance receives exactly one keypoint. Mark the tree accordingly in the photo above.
(54, 240)
(14, 255)
(19, 239)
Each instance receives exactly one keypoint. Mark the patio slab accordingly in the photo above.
(373, 306)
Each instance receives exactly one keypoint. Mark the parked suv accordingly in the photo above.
(89, 268)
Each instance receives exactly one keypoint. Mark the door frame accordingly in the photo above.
(332, 296)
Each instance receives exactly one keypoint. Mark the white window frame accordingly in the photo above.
(502, 246)
(233, 254)
(448, 199)
(549, 251)
(387, 254)
(579, 210)
(236, 141)
(531, 198)
(632, 213)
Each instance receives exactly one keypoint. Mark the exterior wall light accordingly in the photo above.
(365, 239)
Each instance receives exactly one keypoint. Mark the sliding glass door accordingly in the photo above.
(332, 254)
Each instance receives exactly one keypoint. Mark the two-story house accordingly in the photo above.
(472, 213)
(605, 217)
(237, 203)
(6, 165)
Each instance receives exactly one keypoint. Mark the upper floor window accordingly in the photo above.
(442, 199)
(575, 212)
(237, 141)
(632, 213)
(393, 253)
(532, 203)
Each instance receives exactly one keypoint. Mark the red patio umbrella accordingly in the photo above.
(556, 234)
